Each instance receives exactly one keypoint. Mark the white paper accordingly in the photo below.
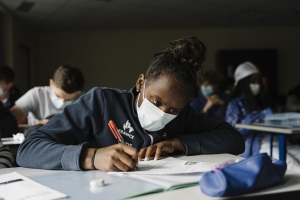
(170, 167)
(167, 181)
(14, 186)
(169, 172)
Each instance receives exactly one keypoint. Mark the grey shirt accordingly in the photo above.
(36, 103)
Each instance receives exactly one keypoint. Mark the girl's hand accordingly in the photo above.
(161, 148)
(118, 157)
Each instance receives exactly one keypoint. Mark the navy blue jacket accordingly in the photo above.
(84, 124)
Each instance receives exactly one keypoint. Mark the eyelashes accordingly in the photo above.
(157, 103)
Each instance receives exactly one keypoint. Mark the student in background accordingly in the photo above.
(9, 93)
(153, 118)
(40, 103)
(249, 103)
(8, 126)
(213, 96)
(293, 99)
(8, 123)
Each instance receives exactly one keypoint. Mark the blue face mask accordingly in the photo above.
(206, 90)
(1, 91)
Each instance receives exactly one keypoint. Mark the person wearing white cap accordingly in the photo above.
(243, 70)
(249, 103)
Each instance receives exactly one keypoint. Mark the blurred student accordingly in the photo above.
(8, 126)
(213, 96)
(41, 103)
(249, 103)
(293, 100)
(8, 123)
(9, 93)
(153, 119)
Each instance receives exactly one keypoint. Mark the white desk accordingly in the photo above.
(269, 128)
(280, 131)
(10, 141)
(289, 187)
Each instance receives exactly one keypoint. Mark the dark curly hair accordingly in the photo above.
(183, 60)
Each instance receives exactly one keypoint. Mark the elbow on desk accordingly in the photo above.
(240, 145)
(22, 157)
(235, 142)
(27, 155)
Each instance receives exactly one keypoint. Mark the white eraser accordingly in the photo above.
(97, 183)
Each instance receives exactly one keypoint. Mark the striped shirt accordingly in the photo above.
(6, 158)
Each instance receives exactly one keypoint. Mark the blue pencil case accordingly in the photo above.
(253, 173)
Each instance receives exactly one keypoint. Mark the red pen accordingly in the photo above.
(115, 131)
(117, 135)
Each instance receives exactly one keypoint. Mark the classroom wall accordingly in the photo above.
(7, 37)
(116, 58)
(25, 55)
(17, 35)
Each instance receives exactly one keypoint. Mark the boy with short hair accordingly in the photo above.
(40, 103)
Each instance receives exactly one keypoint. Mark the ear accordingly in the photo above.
(140, 82)
(51, 82)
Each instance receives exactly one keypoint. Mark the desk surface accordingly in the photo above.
(289, 186)
(11, 141)
(269, 128)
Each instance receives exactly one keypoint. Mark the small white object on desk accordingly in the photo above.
(97, 183)
(19, 136)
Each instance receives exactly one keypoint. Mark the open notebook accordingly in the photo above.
(169, 173)
(151, 177)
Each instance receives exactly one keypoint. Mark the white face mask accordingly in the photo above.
(255, 88)
(151, 117)
(57, 102)
(1, 91)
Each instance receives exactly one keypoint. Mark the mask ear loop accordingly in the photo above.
(144, 90)
(137, 102)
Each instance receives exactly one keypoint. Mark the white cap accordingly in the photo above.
(97, 183)
(243, 70)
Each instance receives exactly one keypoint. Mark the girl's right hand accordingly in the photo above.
(118, 157)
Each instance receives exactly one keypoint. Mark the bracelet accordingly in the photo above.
(93, 158)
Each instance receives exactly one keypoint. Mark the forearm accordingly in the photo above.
(17, 113)
(224, 139)
(40, 151)
(207, 106)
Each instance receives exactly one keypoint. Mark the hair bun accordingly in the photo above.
(189, 50)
